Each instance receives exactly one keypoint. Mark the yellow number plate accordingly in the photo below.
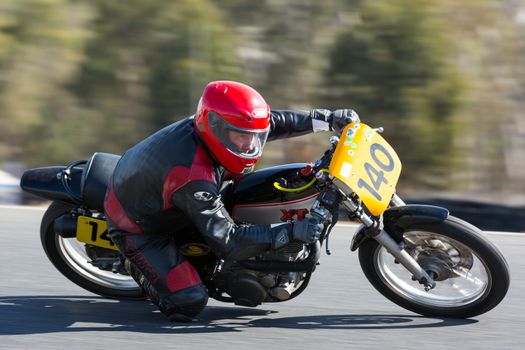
(95, 232)
(368, 165)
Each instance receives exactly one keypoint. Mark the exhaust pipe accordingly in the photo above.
(66, 226)
(286, 266)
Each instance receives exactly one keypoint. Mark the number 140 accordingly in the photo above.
(375, 175)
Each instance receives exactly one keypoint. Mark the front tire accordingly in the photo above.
(472, 276)
(69, 257)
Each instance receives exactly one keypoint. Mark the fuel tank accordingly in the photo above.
(254, 199)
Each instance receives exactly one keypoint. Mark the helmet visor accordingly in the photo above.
(246, 143)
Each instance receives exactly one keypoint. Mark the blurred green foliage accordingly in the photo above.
(395, 66)
(88, 75)
(79, 76)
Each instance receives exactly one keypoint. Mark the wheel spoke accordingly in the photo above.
(75, 255)
(468, 277)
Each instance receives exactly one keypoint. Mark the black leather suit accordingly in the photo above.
(169, 183)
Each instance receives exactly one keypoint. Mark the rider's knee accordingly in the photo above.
(184, 304)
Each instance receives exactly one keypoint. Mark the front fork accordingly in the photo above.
(392, 246)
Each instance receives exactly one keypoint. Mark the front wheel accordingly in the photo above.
(471, 274)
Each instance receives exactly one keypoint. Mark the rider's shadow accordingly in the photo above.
(46, 314)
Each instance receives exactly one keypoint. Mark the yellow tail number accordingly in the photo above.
(95, 232)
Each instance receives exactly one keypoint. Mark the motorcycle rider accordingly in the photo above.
(170, 181)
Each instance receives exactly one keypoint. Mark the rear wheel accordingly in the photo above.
(471, 274)
(70, 257)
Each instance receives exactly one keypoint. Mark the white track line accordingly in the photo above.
(22, 207)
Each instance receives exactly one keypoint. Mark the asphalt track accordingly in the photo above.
(40, 309)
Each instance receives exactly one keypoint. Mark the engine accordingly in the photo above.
(251, 288)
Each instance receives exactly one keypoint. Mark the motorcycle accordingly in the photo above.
(417, 256)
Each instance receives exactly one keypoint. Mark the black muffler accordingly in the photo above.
(286, 266)
(66, 226)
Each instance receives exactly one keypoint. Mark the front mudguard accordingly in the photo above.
(397, 219)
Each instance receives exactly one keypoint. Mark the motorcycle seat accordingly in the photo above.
(95, 179)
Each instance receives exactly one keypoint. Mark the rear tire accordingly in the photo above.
(89, 277)
(462, 239)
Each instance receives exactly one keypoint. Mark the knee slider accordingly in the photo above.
(188, 302)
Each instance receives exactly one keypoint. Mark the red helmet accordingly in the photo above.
(233, 120)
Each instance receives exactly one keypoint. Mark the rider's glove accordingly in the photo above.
(307, 230)
(341, 118)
